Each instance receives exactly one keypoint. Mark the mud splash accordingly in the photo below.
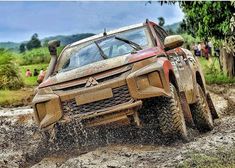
(21, 145)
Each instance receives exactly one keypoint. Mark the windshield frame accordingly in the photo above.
(62, 59)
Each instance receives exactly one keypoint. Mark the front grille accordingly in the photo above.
(99, 80)
(120, 95)
(109, 77)
(74, 87)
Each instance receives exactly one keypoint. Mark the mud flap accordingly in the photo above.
(211, 106)
(187, 112)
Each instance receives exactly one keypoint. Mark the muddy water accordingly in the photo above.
(21, 145)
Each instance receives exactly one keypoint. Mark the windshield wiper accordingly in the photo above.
(101, 51)
(133, 44)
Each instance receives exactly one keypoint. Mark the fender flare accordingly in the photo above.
(163, 67)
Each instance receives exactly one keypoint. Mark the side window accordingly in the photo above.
(160, 33)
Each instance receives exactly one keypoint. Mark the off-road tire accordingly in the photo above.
(201, 112)
(170, 115)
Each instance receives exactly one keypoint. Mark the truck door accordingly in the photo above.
(185, 72)
(180, 64)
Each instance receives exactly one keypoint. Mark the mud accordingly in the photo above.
(21, 145)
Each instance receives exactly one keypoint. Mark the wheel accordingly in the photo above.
(170, 115)
(201, 112)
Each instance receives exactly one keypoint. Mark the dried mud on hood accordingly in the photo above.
(21, 145)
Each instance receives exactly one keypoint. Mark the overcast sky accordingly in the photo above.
(19, 20)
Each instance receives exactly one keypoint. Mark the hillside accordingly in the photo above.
(173, 26)
(65, 39)
(9, 45)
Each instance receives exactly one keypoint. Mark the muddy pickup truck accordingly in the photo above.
(135, 75)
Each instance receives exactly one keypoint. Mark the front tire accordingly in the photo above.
(170, 115)
(201, 113)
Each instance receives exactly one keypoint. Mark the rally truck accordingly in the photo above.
(133, 75)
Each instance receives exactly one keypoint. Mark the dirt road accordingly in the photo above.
(22, 146)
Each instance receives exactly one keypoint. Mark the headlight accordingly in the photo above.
(142, 82)
(152, 79)
(155, 80)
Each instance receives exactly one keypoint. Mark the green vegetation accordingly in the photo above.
(174, 27)
(22, 48)
(205, 20)
(223, 158)
(31, 81)
(34, 42)
(34, 56)
(9, 46)
(20, 97)
(212, 72)
(10, 77)
(189, 40)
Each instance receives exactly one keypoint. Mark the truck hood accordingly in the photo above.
(98, 67)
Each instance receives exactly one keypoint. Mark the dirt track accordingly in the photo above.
(22, 146)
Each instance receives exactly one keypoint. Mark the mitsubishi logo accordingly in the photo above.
(91, 82)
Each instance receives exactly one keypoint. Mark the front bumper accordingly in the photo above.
(124, 101)
(122, 114)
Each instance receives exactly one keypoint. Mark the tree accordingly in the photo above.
(45, 43)
(22, 48)
(170, 31)
(182, 28)
(34, 42)
(209, 19)
(161, 21)
(205, 19)
(10, 77)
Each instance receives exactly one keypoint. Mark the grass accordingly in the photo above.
(212, 72)
(19, 97)
(15, 97)
(222, 158)
(31, 81)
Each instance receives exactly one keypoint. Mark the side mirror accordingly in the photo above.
(173, 41)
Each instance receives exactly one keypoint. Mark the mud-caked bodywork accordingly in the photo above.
(105, 79)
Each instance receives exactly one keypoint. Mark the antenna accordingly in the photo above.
(105, 33)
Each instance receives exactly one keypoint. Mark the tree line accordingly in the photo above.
(213, 19)
(34, 42)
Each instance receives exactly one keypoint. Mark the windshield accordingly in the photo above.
(105, 48)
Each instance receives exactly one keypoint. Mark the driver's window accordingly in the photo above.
(113, 47)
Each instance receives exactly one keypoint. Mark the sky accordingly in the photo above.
(19, 20)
